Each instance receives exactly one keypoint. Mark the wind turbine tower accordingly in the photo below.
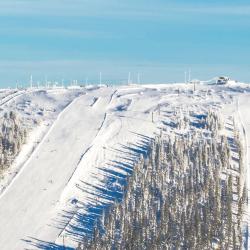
(31, 81)
(100, 78)
(138, 78)
(129, 76)
(46, 82)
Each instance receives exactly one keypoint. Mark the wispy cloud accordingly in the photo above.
(116, 8)
(219, 10)
(155, 30)
(57, 32)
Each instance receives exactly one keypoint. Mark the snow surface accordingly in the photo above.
(83, 143)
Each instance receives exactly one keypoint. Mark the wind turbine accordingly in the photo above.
(138, 78)
(31, 81)
(46, 82)
(100, 82)
(129, 76)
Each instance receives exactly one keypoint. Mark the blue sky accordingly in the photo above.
(160, 39)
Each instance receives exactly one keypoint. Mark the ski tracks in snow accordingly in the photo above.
(73, 131)
(244, 121)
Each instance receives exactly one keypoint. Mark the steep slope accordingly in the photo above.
(82, 163)
(29, 202)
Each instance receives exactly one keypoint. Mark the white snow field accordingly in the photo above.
(82, 145)
(243, 108)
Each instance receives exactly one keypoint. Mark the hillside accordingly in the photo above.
(83, 143)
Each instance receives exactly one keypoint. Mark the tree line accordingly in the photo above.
(179, 196)
(12, 136)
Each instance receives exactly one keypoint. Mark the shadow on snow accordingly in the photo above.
(111, 190)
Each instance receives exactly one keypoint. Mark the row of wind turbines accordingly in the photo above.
(48, 84)
(130, 80)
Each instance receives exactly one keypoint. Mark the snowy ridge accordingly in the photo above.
(244, 120)
(29, 157)
(81, 164)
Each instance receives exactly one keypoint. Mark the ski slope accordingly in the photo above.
(243, 109)
(39, 184)
(90, 145)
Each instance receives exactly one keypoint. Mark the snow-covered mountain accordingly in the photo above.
(81, 142)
